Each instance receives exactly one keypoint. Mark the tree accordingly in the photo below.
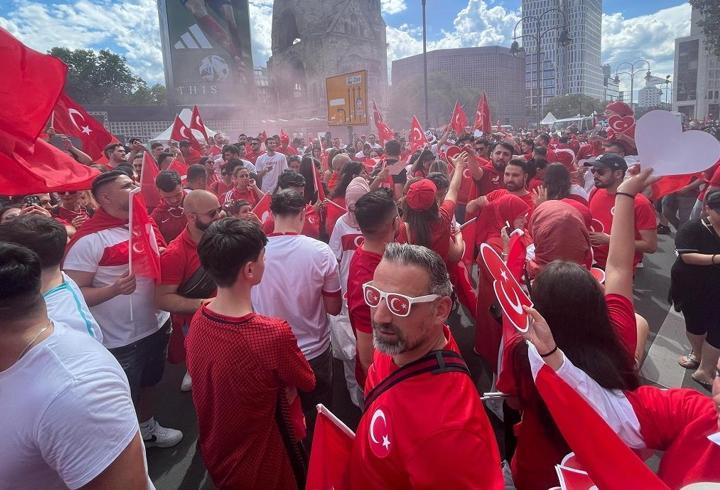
(105, 78)
(572, 105)
(710, 22)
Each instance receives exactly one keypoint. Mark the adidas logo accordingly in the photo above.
(193, 39)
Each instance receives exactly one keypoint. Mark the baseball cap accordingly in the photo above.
(613, 161)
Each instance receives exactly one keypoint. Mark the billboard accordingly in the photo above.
(347, 99)
(206, 50)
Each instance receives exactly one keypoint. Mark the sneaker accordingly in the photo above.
(186, 384)
(155, 435)
(663, 230)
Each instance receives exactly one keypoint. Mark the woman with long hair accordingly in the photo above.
(421, 164)
(338, 207)
(557, 185)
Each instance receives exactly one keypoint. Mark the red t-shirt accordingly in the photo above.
(170, 221)
(528, 198)
(581, 205)
(678, 422)
(602, 208)
(492, 179)
(428, 431)
(220, 188)
(362, 268)
(290, 150)
(253, 358)
(236, 195)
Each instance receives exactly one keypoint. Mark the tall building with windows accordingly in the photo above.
(696, 90)
(566, 67)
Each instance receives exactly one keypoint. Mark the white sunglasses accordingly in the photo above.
(398, 304)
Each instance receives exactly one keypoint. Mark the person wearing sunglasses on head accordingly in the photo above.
(184, 284)
(608, 172)
(424, 425)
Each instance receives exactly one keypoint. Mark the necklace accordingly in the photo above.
(30, 344)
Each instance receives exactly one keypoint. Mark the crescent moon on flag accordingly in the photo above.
(419, 136)
(515, 305)
(183, 132)
(71, 113)
(377, 415)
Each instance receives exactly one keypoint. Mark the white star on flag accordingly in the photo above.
(86, 129)
(386, 442)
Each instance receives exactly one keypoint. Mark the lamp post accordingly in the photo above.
(515, 48)
(667, 88)
(425, 84)
(634, 70)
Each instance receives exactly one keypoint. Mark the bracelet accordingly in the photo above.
(625, 194)
(549, 353)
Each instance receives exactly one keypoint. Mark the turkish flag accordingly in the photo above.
(574, 479)
(330, 454)
(384, 131)
(179, 167)
(197, 124)
(468, 230)
(29, 88)
(669, 184)
(70, 118)
(458, 121)
(517, 254)
(262, 208)
(333, 211)
(181, 132)
(147, 181)
(609, 462)
(416, 138)
(40, 168)
(482, 115)
(144, 252)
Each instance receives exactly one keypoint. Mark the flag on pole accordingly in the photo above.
(384, 131)
(144, 256)
(417, 138)
(458, 121)
(181, 132)
(330, 453)
(262, 208)
(147, 181)
(178, 166)
(482, 115)
(197, 124)
(72, 119)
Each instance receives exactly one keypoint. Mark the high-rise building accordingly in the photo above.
(696, 86)
(566, 68)
(649, 96)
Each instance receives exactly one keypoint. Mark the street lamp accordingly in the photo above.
(564, 40)
(634, 70)
(667, 88)
(425, 84)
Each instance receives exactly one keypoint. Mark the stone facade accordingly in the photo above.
(316, 39)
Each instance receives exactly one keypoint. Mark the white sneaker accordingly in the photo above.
(186, 384)
(155, 435)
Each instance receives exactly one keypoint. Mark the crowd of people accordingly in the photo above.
(275, 257)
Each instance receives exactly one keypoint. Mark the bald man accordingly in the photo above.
(184, 285)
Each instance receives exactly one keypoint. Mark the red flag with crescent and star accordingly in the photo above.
(482, 115)
(181, 132)
(147, 181)
(72, 119)
(331, 451)
(384, 131)
(458, 121)
(144, 253)
(416, 138)
(198, 124)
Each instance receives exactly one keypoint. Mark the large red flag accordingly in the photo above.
(384, 131)
(29, 88)
(609, 462)
(144, 252)
(198, 124)
(70, 118)
(147, 181)
(330, 453)
(181, 132)
(669, 184)
(178, 166)
(482, 116)
(38, 168)
(262, 208)
(458, 121)
(416, 138)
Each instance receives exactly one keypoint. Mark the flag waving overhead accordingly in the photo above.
(29, 88)
(416, 138)
(458, 121)
(197, 123)
(70, 118)
(384, 131)
(181, 132)
(147, 181)
(482, 115)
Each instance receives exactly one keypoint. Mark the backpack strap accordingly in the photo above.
(435, 362)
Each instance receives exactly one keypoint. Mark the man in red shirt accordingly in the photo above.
(185, 285)
(246, 369)
(489, 177)
(189, 154)
(253, 152)
(377, 216)
(515, 179)
(169, 213)
(608, 172)
(424, 424)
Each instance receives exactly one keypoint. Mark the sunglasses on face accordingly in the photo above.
(599, 171)
(213, 212)
(398, 304)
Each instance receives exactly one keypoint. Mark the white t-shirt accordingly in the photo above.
(277, 162)
(105, 253)
(66, 412)
(66, 304)
(299, 270)
(345, 239)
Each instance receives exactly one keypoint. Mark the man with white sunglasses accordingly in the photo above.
(424, 424)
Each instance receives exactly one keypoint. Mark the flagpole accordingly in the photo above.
(130, 241)
(333, 418)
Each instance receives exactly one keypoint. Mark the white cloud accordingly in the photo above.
(393, 6)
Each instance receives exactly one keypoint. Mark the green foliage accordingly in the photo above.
(710, 23)
(572, 105)
(105, 78)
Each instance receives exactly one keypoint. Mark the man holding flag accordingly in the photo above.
(116, 265)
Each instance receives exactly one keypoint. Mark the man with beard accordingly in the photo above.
(400, 444)
(515, 178)
(608, 171)
(184, 285)
(489, 177)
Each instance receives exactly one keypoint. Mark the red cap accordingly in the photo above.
(421, 195)
(619, 108)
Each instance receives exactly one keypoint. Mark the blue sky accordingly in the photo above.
(632, 29)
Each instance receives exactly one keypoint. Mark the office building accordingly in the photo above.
(649, 96)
